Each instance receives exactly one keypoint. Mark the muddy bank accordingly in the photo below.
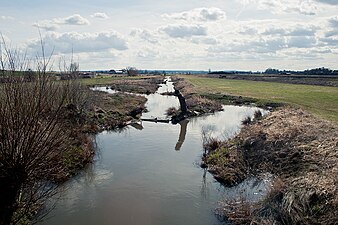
(300, 150)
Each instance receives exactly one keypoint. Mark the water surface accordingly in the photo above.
(149, 173)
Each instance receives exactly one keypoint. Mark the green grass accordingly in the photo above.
(320, 100)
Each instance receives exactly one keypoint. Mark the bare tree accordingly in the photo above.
(33, 137)
(131, 71)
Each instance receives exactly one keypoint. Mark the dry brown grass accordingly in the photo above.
(111, 111)
(194, 101)
(300, 149)
(141, 86)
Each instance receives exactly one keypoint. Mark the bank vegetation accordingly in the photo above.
(46, 130)
(300, 150)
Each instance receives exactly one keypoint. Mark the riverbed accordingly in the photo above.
(149, 173)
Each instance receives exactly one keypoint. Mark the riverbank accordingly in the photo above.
(82, 115)
(103, 112)
(195, 102)
(319, 100)
(300, 150)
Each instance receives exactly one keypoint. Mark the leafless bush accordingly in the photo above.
(171, 111)
(32, 136)
(247, 120)
(131, 71)
(258, 115)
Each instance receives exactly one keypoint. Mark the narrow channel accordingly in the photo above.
(149, 173)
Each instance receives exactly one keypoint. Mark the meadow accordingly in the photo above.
(319, 100)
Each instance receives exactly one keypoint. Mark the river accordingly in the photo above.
(149, 173)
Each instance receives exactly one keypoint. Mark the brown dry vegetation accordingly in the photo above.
(141, 86)
(44, 130)
(301, 150)
(195, 102)
(110, 111)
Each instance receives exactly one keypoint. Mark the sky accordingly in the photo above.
(186, 35)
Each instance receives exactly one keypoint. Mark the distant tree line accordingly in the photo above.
(316, 71)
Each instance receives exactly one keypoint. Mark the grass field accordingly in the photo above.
(320, 100)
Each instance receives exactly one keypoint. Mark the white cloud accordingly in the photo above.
(182, 31)
(331, 33)
(248, 30)
(264, 45)
(301, 42)
(144, 35)
(80, 42)
(204, 40)
(100, 15)
(46, 26)
(302, 31)
(51, 25)
(75, 19)
(261, 45)
(192, 34)
(274, 31)
(306, 7)
(299, 30)
(334, 21)
(198, 14)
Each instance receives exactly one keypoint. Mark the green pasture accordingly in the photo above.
(320, 100)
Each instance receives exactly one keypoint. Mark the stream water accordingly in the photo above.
(148, 173)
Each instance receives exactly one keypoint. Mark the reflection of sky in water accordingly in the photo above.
(224, 124)
(158, 104)
(150, 176)
(105, 89)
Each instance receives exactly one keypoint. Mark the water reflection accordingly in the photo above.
(137, 126)
(138, 179)
(183, 132)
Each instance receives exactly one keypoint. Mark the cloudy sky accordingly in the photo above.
(176, 34)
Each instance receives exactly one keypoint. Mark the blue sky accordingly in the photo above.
(149, 34)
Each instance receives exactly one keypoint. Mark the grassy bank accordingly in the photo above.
(322, 101)
(300, 150)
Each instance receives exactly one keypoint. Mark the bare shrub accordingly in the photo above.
(132, 71)
(171, 111)
(247, 120)
(33, 138)
(258, 115)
